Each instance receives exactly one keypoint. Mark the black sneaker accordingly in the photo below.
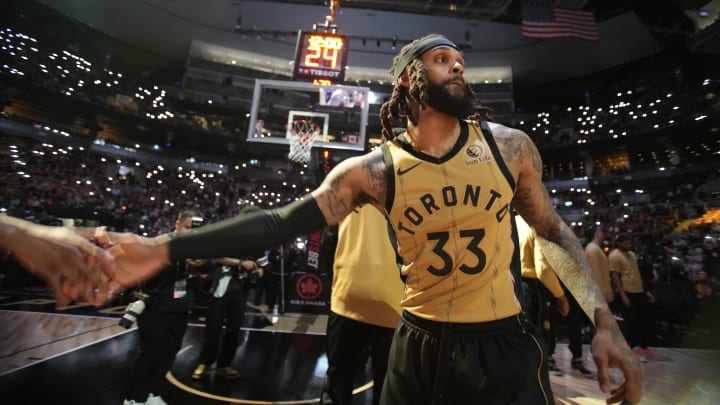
(578, 365)
(553, 368)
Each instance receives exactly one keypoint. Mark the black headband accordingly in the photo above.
(418, 49)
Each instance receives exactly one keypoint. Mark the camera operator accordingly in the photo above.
(163, 321)
(231, 280)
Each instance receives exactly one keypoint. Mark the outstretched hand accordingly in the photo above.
(67, 262)
(610, 350)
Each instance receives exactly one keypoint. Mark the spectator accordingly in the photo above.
(635, 299)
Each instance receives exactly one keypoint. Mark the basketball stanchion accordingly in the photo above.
(302, 135)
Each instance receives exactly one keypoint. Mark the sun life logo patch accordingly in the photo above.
(476, 153)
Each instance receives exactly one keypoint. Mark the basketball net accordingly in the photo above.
(302, 135)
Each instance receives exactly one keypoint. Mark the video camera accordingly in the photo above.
(133, 310)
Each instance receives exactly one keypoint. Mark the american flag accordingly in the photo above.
(540, 22)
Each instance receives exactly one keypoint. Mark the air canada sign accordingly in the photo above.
(308, 287)
(310, 293)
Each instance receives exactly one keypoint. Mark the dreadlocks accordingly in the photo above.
(398, 108)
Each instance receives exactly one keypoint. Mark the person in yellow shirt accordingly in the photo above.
(598, 261)
(543, 288)
(628, 283)
(364, 304)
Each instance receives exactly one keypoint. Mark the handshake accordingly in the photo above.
(88, 264)
(83, 264)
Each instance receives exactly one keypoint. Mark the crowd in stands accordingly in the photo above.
(634, 112)
(55, 180)
(91, 80)
(652, 95)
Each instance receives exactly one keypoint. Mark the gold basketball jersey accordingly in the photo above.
(452, 219)
(366, 283)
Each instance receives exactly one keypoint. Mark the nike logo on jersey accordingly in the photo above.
(400, 171)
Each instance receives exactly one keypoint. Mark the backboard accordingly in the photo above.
(341, 113)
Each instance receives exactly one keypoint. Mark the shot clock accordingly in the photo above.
(320, 56)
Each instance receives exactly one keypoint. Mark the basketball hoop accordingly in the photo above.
(301, 136)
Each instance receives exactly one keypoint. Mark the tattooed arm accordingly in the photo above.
(533, 203)
(355, 181)
(567, 258)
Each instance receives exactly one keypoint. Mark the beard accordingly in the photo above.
(440, 99)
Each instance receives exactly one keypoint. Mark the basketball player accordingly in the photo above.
(68, 265)
(634, 297)
(446, 185)
(364, 304)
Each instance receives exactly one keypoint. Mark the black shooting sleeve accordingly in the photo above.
(246, 234)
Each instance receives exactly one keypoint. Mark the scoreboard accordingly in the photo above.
(320, 56)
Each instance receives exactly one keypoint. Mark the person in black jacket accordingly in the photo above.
(226, 306)
(163, 322)
(230, 282)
